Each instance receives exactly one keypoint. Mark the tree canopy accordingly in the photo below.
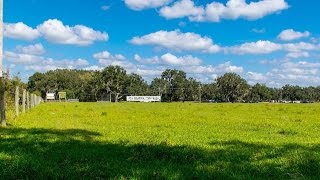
(172, 85)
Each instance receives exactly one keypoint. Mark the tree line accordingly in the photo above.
(172, 85)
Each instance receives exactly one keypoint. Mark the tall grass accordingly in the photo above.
(163, 141)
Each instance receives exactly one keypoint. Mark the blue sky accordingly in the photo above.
(268, 41)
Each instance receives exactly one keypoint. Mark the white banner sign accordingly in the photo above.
(51, 96)
(144, 98)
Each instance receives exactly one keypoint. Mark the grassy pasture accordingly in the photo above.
(163, 141)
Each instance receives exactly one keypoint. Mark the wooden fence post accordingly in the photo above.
(37, 102)
(24, 92)
(32, 101)
(36, 97)
(28, 101)
(16, 100)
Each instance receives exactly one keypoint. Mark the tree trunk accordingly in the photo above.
(116, 99)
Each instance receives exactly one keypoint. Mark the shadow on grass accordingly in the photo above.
(74, 154)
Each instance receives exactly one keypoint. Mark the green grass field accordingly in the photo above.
(163, 141)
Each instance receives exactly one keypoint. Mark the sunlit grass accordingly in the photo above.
(163, 140)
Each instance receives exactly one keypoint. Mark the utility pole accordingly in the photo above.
(2, 81)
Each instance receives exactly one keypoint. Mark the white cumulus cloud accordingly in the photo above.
(145, 4)
(22, 58)
(51, 64)
(181, 9)
(216, 11)
(294, 50)
(256, 77)
(41, 64)
(187, 60)
(301, 46)
(20, 31)
(235, 9)
(108, 55)
(211, 69)
(31, 59)
(259, 47)
(298, 54)
(178, 41)
(296, 73)
(105, 58)
(169, 59)
(147, 72)
(290, 34)
(55, 31)
(36, 49)
(153, 60)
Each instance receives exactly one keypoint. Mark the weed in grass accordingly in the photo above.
(287, 132)
(297, 120)
(104, 114)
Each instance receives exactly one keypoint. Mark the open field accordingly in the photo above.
(163, 141)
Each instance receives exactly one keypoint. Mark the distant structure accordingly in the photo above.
(62, 96)
(50, 96)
